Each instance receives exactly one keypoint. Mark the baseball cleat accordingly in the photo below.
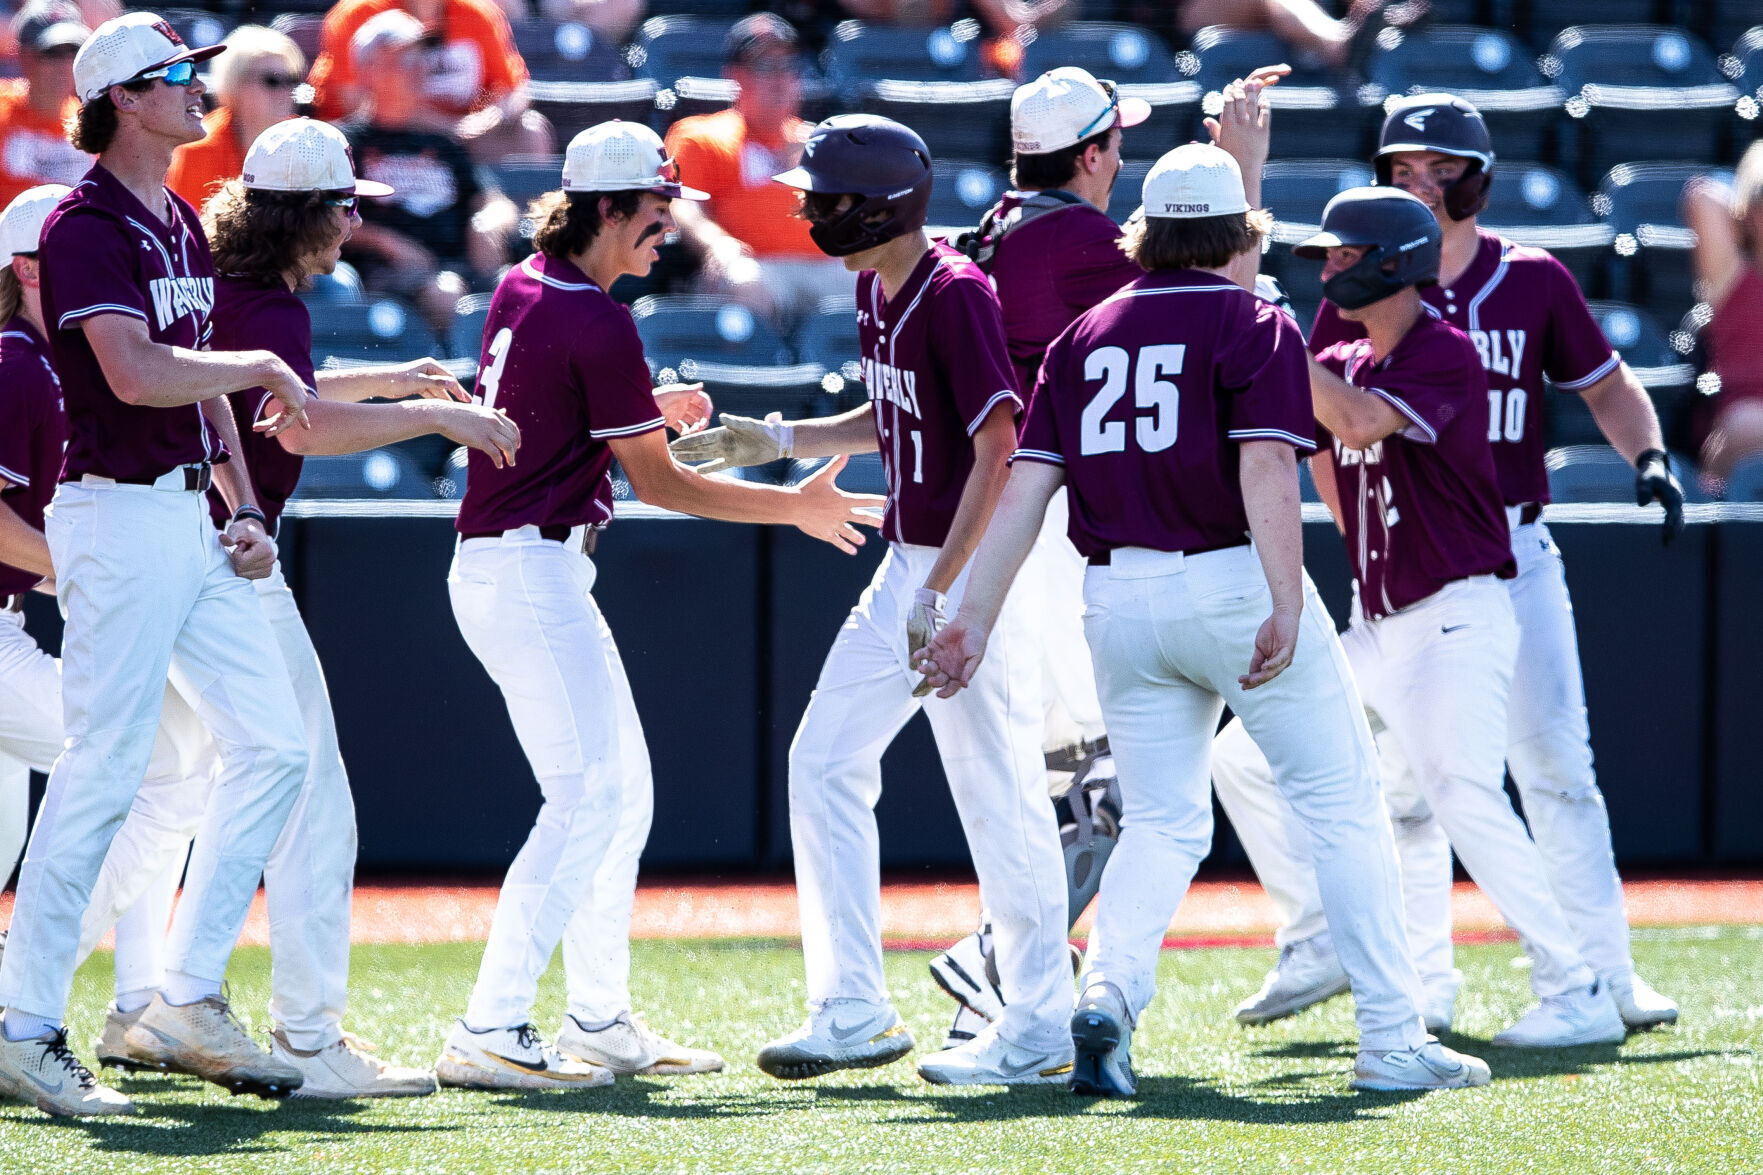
(512, 1058)
(989, 1059)
(1428, 1066)
(839, 1034)
(1438, 1002)
(967, 1025)
(1308, 972)
(1584, 1016)
(113, 1050)
(1640, 1005)
(343, 1070)
(965, 972)
(42, 1070)
(1101, 1041)
(629, 1046)
(206, 1040)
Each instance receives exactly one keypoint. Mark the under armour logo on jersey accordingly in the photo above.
(1417, 120)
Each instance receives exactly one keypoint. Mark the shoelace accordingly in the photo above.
(528, 1037)
(56, 1052)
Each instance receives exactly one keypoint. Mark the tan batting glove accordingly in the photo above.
(922, 624)
(740, 441)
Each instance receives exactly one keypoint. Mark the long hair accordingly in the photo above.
(266, 235)
(1204, 242)
(567, 222)
(11, 293)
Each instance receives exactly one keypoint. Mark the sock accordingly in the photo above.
(181, 989)
(24, 1026)
(134, 1001)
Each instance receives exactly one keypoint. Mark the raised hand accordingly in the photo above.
(685, 408)
(827, 513)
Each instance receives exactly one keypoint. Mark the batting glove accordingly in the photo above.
(740, 441)
(1654, 482)
(922, 624)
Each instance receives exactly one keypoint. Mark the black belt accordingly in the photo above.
(197, 478)
(1529, 513)
(1105, 558)
(556, 534)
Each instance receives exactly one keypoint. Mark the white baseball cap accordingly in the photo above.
(305, 155)
(621, 156)
(1065, 106)
(1194, 180)
(124, 47)
(392, 29)
(21, 225)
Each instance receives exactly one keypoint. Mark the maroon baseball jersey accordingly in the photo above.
(1527, 319)
(106, 253)
(1145, 399)
(1422, 506)
(935, 362)
(564, 361)
(33, 434)
(1048, 271)
(251, 314)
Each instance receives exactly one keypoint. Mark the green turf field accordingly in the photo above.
(1214, 1097)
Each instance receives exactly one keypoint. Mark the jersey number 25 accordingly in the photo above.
(1156, 399)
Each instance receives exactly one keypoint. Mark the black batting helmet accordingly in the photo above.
(885, 165)
(1401, 238)
(1451, 126)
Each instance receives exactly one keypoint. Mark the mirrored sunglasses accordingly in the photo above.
(180, 74)
(347, 201)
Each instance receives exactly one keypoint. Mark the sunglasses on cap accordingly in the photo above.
(179, 75)
(1110, 114)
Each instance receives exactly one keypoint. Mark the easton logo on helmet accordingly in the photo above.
(1417, 120)
(1415, 244)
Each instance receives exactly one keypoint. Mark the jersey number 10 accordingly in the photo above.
(1157, 399)
(1506, 414)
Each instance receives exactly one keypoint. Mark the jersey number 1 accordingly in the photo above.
(489, 380)
(1157, 399)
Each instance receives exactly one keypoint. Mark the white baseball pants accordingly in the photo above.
(989, 738)
(1051, 583)
(147, 589)
(308, 880)
(524, 606)
(1548, 752)
(1170, 634)
(30, 729)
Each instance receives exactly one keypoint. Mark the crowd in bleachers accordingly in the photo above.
(463, 105)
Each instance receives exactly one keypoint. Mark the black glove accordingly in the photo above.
(1654, 481)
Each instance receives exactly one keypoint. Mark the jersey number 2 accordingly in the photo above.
(489, 381)
(1156, 399)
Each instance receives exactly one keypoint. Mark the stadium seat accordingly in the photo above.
(302, 28)
(1744, 485)
(681, 327)
(960, 194)
(1121, 53)
(466, 339)
(828, 337)
(795, 389)
(1537, 205)
(524, 178)
(382, 331)
(568, 52)
(1295, 191)
(1489, 67)
(342, 284)
(1539, 21)
(1745, 66)
(1129, 189)
(1639, 92)
(1651, 247)
(672, 47)
(859, 54)
(378, 473)
(1315, 114)
(573, 107)
(1647, 349)
(733, 10)
(1598, 473)
(963, 120)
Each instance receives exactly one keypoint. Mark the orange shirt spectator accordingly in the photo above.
(254, 82)
(33, 147)
(197, 169)
(716, 153)
(474, 65)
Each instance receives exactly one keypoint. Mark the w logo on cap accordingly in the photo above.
(165, 30)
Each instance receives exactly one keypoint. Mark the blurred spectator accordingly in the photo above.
(443, 225)
(1304, 25)
(473, 76)
(33, 146)
(1728, 223)
(254, 82)
(614, 20)
(751, 245)
(91, 13)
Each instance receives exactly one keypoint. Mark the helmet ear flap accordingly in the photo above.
(1469, 194)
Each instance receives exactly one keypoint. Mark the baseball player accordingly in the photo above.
(1052, 253)
(284, 221)
(1173, 411)
(564, 361)
(942, 413)
(1527, 319)
(147, 585)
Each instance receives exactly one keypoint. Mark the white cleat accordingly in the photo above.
(43, 1071)
(1640, 1005)
(1429, 1066)
(1101, 1041)
(512, 1058)
(964, 972)
(1308, 972)
(344, 1071)
(113, 1050)
(1438, 1003)
(839, 1034)
(968, 1024)
(1584, 1016)
(206, 1040)
(989, 1059)
(628, 1046)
